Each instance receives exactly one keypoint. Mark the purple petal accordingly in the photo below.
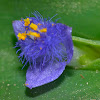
(18, 27)
(68, 44)
(35, 77)
(67, 41)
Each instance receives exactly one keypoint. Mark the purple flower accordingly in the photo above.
(46, 45)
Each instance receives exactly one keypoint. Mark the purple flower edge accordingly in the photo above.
(36, 77)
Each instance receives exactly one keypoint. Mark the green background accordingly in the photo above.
(81, 78)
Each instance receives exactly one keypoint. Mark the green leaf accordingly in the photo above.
(81, 78)
(86, 54)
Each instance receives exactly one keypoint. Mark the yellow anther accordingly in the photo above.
(33, 26)
(27, 22)
(43, 30)
(39, 24)
(26, 84)
(40, 48)
(21, 36)
(52, 24)
(34, 34)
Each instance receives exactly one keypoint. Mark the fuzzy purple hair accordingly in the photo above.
(48, 55)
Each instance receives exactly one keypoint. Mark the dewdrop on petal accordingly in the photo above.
(46, 45)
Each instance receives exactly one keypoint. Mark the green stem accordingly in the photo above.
(86, 41)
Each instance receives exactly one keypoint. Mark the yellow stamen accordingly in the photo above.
(43, 30)
(39, 24)
(34, 34)
(21, 36)
(40, 48)
(33, 26)
(26, 84)
(27, 22)
(52, 24)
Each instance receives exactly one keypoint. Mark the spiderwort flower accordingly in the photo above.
(47, 47)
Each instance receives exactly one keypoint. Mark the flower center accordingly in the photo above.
(27, 22)
(32, 30)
